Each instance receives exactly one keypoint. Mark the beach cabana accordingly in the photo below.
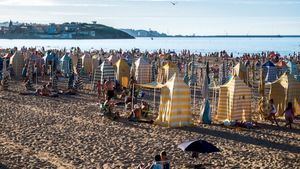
(223, 73)
(175, 104)
(123, 72)
(97, 75)
(17, 62)
(285, 89)
(87, 63)
(96, 62)
(142, 71)
(107, 71)
(240, 70)
(234, 101)
(51, 60)
(65, 63)
(113, 59)
(281, 67)
(167, 71)
(293, 68)
(74, 59)
(269, 71)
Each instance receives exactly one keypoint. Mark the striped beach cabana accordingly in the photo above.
(142, 71)
(87, 62)
(281, 67)
(293, 68)
(65, 63)
(97, 75)
(223, 73)
(241, 71)
(234, 101)
(175, 104)
(74, 59)
(17, 62)
(113, 59)
(123, 72)
(285, 89)
(167, 71)
(269, 71)
(107, 71)
(96, 62)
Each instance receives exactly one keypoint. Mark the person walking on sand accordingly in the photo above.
(289, 115)
(272, 113)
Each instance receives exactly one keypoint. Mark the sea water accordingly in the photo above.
(238, 46)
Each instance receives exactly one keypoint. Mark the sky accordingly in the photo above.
(186, 17)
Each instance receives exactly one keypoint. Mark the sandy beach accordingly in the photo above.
(68, 132)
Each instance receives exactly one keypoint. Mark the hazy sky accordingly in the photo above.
(202, 17)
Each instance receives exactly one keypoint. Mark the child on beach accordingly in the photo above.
(272, 112)
(289, 114)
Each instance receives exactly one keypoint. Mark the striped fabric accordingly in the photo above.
(65, 64)
(241, 71)
(54, 82)
(107, 71)
(97, 75)
(123, 72)
(167, 71)
(143, 71)
(175, 104)
(74, 59)
(17, 62)
(154, 71)
(293, 68)
(79, 82)
(234, 101)
(223, 73)
(271, 74)
(285, 89)
(113, 59)
(87, 63)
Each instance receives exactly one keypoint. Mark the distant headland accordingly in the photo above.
(73, 30)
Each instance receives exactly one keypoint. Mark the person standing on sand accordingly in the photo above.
(272, 112)
(289, 115)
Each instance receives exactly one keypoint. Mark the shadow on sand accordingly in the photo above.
(243, 139)
(2, 166)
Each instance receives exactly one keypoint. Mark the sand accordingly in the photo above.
(68, 132)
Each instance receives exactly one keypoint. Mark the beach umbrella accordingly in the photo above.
(199, 146)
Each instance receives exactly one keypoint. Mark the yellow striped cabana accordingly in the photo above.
(241, 71)
(175, 104)
(166, 72)
(283, 90)
(87, 63)
(123, 72)
(17, 62)
(234, 101)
